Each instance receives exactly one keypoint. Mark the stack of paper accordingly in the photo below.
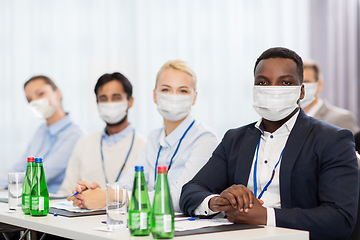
(183, 224)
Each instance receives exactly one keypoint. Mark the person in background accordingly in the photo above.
(184, 144)
(55, 139)
(106, 156)
(318, 108)
(302, 169)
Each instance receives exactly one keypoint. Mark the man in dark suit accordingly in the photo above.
(288, 169)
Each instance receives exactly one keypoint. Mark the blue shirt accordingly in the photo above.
(54, 144)
(194, 151)
(111, 140)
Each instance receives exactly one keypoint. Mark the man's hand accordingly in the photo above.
(80, 188)
(219, 204)
(94, 199)
(257, 215)
(236, 196)
(240, 205)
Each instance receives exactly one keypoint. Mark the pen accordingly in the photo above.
(76, 193)
(186, 219)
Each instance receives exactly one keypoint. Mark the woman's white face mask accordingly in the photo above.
(41, 108)
(275, 103)
(174, 107)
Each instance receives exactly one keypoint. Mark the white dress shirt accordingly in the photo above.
(271, 146)
(194, 151)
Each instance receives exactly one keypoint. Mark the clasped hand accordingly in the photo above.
(240, 206)
(90, 196)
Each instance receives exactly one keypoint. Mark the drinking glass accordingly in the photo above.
(116, 206)
(15, 188)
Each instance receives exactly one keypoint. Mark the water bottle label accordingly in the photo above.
(34, 203)
(163, 223)
(143, 220)
(139, 220)
(41, 204)
(135, 219)
(26, 201)
(37, 203)
(167, 223)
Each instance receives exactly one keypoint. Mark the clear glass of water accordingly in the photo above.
(116, 206)
(15, 188)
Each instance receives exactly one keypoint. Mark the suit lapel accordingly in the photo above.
(293, 146)
(246, 155)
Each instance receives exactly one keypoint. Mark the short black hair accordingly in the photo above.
(107, 77)
(46, 79)
(280, 52)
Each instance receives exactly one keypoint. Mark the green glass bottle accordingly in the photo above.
(39, 196)
(27, 185)
(162, 216)
(139, 208)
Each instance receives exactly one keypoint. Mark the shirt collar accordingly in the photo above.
(117, 136)
(175, 135)
(60, 125)
(289, 124)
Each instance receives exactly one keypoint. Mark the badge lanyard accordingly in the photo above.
(52, 141)
(127, 156)
(177, 148)
(255, 169)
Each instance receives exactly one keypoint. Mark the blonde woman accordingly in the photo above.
(184, 144)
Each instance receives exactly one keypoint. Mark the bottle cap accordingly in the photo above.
(31, 159)
(38, 160)
(162, 169)
(139, 168)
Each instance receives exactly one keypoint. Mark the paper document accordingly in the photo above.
(199, 223)
(65, 205)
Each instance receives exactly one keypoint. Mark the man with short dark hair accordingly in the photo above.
(316, 107)
(286, 170)
(106, 156)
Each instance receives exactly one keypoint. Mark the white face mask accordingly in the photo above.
(275, 103)
(310, 90)
(113, 112)
(174, 107)
(41, 108)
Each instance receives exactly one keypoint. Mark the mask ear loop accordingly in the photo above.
(301, 87)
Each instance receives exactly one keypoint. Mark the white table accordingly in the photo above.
(83, 228)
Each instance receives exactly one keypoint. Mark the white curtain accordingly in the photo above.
(75, 42)
(336, 46)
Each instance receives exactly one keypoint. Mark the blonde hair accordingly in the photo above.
(180, 65)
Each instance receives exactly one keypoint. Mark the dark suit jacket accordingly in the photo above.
(318, 176)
